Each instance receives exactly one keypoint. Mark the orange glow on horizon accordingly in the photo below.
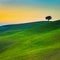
(14, 15)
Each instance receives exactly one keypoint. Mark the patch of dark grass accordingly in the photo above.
(4, 45)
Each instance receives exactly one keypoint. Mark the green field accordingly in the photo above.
(30, 41)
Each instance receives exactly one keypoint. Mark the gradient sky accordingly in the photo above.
(18, 11)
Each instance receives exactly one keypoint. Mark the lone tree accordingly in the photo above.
(48, 18)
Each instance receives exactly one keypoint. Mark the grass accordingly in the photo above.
(38, 41)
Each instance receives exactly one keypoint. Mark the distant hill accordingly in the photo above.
(30, 41)
(19, 27)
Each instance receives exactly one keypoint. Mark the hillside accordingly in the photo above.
(30, 41)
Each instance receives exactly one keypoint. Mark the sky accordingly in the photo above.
(22, 11)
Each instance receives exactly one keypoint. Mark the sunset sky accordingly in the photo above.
(21, 11)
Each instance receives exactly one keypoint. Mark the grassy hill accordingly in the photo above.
(30, 41)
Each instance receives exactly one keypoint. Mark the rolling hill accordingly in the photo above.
(30, 41)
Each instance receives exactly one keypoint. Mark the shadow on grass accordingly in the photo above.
(4, 46)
